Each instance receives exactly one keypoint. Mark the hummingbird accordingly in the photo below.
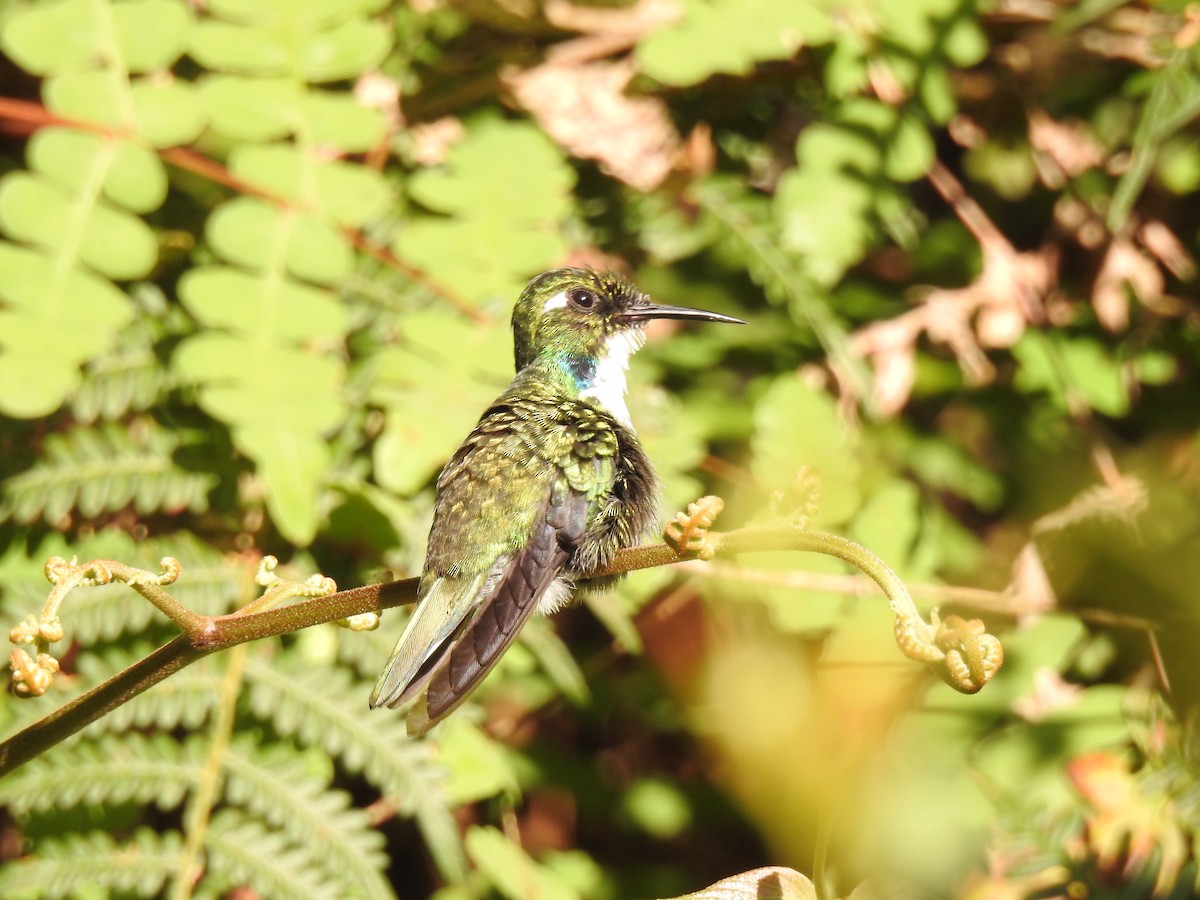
(550, 484)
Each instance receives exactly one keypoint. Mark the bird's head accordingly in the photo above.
(582, 314)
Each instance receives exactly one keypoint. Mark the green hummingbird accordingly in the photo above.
(548, 487)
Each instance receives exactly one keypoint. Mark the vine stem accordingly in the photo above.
(961, 652)
(208, 785)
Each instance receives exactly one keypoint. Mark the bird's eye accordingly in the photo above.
(582, 298)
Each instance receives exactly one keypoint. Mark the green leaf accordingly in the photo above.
(241, 49)
(97, 96)
(889, 523)
(430, 402)
(478, 767)
(105, 470)
(658, 807)
(127, 769)
(347, 193)
(836, 148)
(730, 36)
(53, 38)
(134, 177)
(291, 464)
(508, 867)
(796, 425)
(936, 92)
(246, 383)
(346, 50)
(824, 217)
(114, 243)
(910, 152)
(1071, 368)
(152, 34)
(750, 240)
(312, 706)
(76, 312)
(251, 109)
(221, 297)
(129, 377)
(290, 792)
(248, 230)
(242, 850)
(339, 120)
(505, 191)
(167, 114)
(301, 15)
(964, 43)
(95, 865)
(341, 52)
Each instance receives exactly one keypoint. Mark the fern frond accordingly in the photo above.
(185, 700)
(210, 585)
(242, 851)
(114, 769)
(129, 377)
(283, 788)
(328, 709)
(94, 863)
(749, 240)
(104, 469)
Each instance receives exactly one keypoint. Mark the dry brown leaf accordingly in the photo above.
(769, 883)
(585, 109)
(991, 312)
(431, 141)
(1031, 584)
(636, 20)
(1062, 150)
(1124, 265)
(1160, 240)
(1050, 694)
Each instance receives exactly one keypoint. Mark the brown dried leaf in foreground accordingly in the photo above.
(585, 109)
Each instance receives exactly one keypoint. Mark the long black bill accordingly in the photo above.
(645, 311)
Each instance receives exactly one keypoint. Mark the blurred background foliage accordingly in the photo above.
(256, 264)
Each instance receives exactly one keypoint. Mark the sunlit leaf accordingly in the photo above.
(347, 193)
(726, 36)
(133, 178)
(504, 193)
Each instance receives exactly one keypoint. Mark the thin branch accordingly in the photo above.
(961, 652)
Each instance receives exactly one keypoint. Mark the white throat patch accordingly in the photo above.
(608, 384)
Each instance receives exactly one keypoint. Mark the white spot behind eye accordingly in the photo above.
(558, 301)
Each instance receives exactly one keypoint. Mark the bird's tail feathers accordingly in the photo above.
(437, 617)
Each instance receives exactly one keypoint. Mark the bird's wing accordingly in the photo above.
(531, 571)
(437, 616)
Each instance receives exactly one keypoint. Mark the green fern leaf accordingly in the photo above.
(128, 768)
(278, 306)
(243, 851)
(76, 210)
(100, 470)
(128, 378)
(94, 865)
(328, 709)
(749, 240)
(730, 36)
(290, 792)
(185, 700)
(478, 244)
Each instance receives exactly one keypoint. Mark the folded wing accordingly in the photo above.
(451, 644)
